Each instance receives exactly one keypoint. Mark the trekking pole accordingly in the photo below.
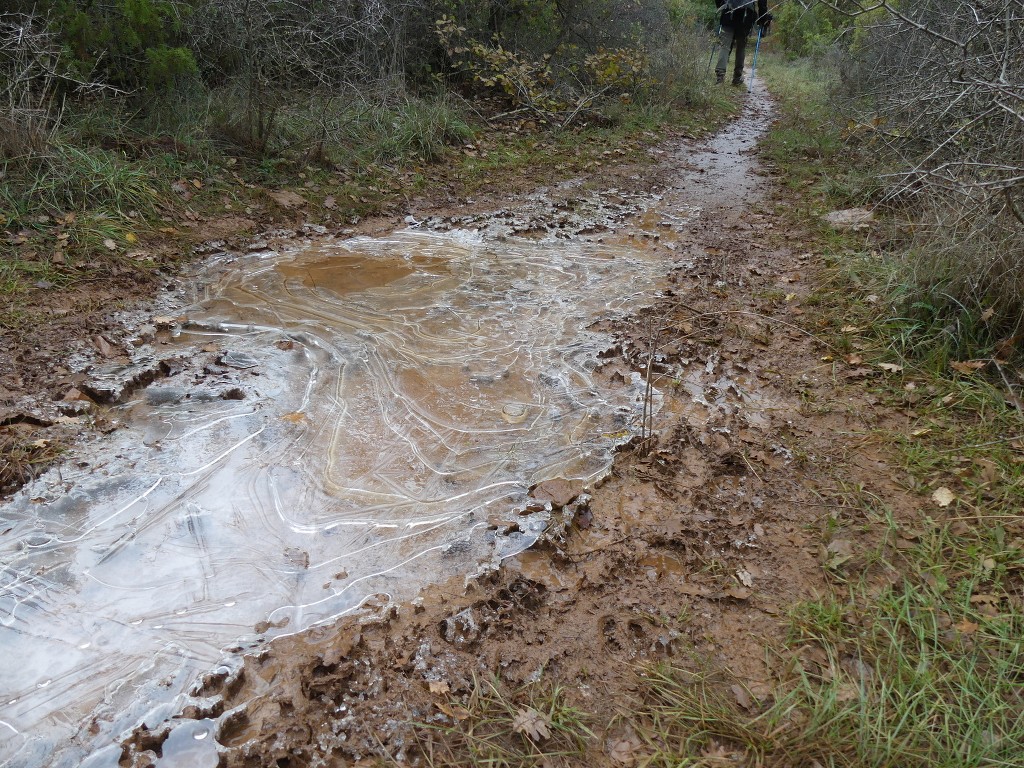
(718, 38)
(753, 66)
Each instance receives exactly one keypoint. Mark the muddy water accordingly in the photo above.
(373, 405)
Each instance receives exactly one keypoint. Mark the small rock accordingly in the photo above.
(559, 491)
(850, 218)
(75, 395)
(104, 347)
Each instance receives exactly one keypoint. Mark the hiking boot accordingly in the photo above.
(737, 81)
(719, 78)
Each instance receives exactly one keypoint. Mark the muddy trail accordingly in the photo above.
(351, 476)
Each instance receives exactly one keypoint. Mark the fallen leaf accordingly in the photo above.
(131, 237)
(849, 329)
(966, 627)
(330, 203)
(967, 366)
(854, 359)
(453, 711)
(838, 552)
(438, 686)
(624, 751)
(890, 367)
(745, 578)
(532, 724)
(986, 598)
(287, 199)
(943, 496)
(693, 590)
(109, 244)
(872, 299)
(988, 314)
(742, 696)
(738, 593)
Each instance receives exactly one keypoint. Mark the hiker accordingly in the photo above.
(738, 18)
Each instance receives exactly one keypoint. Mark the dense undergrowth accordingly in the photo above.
(124, 125)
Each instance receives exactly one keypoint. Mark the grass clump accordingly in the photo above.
(926, 673)
(531, 726)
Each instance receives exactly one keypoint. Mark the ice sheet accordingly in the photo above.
(397, 392)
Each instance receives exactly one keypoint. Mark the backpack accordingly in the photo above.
(740, 14)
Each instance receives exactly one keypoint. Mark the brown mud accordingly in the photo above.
(693, 551)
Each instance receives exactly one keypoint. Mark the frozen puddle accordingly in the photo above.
(392, 395)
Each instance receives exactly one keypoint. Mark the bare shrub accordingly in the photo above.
(940, 86)
(28, 64)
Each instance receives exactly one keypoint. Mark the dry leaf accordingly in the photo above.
(738, 593)
(849, 329)
(454, 711)
(985, 599)
(742, 696)
(943, 496)
(624, 751)
(287, 199)
(330, 203)
(745, 578)
(438, 686)
(109, 244)
(532, 724)
(854, 359)
(967, 366)
(966, 627)
(838, 552)
(890, 367)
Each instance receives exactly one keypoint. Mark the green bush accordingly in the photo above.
(130, 44)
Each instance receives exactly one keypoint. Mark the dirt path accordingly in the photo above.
(690, 553)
